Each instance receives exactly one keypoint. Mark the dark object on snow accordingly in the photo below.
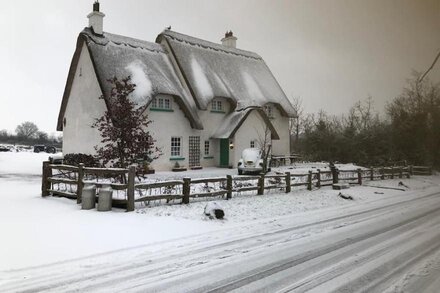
(219, 214)
(377, 192)
(403, 184)
(4, 149)
(344, 196)
(214, 211)
(42, 148)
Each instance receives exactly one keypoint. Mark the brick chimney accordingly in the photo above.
(96, 19)
(229, 40)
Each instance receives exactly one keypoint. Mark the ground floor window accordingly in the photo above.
(252, 144)
(176, 146)
(207, 150)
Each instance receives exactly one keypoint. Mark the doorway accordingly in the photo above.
(224, 152)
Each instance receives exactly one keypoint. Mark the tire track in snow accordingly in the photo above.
(146, 283)
(45, 282)
(261, 273)
(369, 252)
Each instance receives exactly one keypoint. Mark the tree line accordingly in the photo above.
(27, 133)
(409, 130)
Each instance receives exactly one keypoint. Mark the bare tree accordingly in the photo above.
(430, 68)
(294, 123)
(265, 145)
(27, 130)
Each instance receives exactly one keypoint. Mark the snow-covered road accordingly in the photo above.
(384, 244)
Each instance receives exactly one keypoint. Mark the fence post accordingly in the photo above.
(46, 173)
(80, 183)
(318, 177)
(130, 188)
(430, 170)
(261, 185)
(392, 172)
(288, 187)
(359, 173)
(382, 173)
(186, 189)
(411, 170)
(400, 172)
(335, 175)
(371, 173)
(229, 186)
(309, 181)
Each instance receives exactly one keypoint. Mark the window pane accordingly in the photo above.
(206, 148)
(167, 104)
(175, 146)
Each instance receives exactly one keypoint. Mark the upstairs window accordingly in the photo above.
(161, 103)
(217, 106)
(252, 144)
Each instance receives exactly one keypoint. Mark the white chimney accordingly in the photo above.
(229, 40)
(96, 19)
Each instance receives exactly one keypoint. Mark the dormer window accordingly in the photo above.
(161, 104)
(217, 106)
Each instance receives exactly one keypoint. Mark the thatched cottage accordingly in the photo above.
(207, 101)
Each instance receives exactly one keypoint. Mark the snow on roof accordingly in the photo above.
(213, 70)
(230, 122)
(233, 121)
(147, 63)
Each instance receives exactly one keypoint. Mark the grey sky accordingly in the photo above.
(330, 52)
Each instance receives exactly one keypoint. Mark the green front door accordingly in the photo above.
(224, 152)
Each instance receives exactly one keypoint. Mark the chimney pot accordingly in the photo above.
(229, 40)
(96, 19)
(96, 6)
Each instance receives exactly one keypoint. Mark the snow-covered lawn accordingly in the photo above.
(38, 230)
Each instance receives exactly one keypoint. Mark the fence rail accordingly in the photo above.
(68, 181)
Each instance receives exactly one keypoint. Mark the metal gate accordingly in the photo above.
(194, 151)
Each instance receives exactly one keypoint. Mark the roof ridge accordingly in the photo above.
(208, 44)
(120, 39)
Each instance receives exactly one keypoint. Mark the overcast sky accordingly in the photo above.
(331, 53)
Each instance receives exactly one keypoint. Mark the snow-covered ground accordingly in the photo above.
(37, 231)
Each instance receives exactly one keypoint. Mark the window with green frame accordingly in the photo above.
(163, 103)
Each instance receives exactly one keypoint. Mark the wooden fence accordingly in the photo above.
(68, 181)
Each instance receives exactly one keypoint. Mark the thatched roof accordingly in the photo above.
(210, 70)
(213, 70)
(147, 63)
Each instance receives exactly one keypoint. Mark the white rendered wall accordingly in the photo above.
(253, 128)
(82, 108)
(168, 124)
(281, 124)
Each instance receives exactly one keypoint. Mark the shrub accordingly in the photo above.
(76, 159)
